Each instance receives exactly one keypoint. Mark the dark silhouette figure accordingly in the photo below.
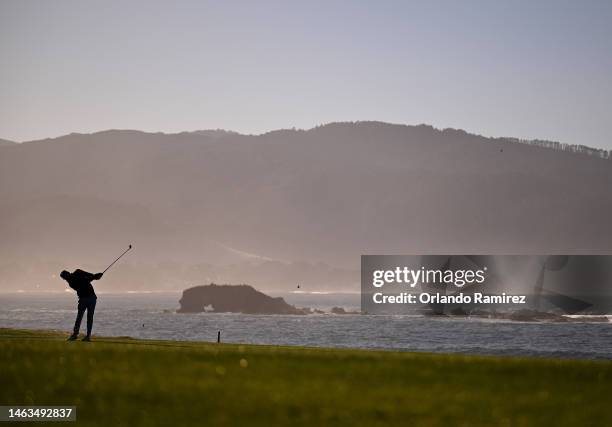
(80, 281)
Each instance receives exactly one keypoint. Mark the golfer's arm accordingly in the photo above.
(89, 276)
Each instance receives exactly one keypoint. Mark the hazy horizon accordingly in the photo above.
(264, 132)
(531, 71)
(269, 210)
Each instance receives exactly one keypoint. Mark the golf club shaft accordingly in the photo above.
(118, 258)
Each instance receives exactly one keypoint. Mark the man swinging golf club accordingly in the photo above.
(80, 281)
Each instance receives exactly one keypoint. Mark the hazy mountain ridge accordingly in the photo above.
(221, 133)
(327, 194)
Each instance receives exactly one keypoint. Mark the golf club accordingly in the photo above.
(118, 258)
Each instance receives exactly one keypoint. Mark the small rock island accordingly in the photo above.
(234, 299)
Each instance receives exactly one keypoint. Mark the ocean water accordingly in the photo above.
(154, 316)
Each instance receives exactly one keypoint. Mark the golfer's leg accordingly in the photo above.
(91, 307)
(77, 322)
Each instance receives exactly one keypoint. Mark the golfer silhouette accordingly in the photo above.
(80, 281)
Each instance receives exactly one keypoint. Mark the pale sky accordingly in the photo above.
(529, 69)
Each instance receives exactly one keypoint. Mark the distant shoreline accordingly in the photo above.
(58, 335)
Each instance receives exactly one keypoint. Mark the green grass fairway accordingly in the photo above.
(128, 382)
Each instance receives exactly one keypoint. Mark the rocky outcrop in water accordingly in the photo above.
(234, 299)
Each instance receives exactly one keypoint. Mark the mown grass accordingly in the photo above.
(127, 382)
